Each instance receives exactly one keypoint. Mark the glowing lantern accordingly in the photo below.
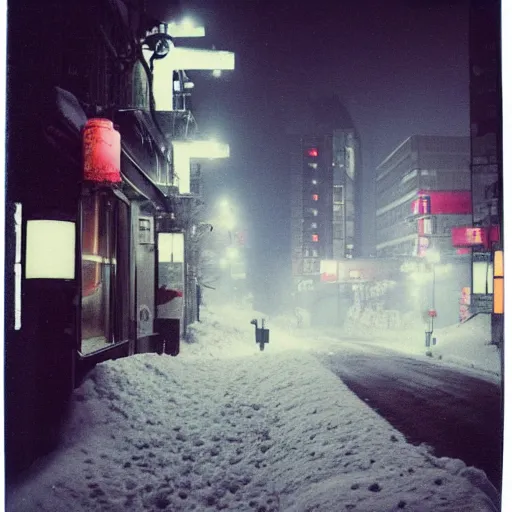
(102, 151)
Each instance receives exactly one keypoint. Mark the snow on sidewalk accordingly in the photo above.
(264, 432)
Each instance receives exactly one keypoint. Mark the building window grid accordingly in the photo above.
(394, 216)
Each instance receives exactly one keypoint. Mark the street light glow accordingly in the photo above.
(184, 151)
(232, 253)
(433, 256)
(187, 28)
(180, 58)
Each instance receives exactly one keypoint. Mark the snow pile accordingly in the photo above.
(467, 345)
(226, 331)
(265, 432)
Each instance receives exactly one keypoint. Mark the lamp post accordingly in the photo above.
(432, 257)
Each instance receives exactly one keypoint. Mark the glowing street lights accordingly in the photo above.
(186, 28)
(185, 150)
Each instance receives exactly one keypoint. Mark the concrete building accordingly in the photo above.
(486, 154)
(325, 175)
(423, 192)
(323, 201)
(419, 167)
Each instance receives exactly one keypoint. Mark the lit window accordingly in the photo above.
(104, 271)
(312, 152)
(313, 166)
(314, 182)
(315, 197)
(314, 225)
(314, 238)
(314, 211)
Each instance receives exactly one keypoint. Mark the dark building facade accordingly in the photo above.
(323, 200)
(486, 147)
(95, 227)
(325, 221)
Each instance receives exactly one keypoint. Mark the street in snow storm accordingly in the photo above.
(226, 426)
(255, 256)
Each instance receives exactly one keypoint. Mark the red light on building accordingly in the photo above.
(494, 234)
(314, 238)
(315, 197)
(425, 227)
(447, 202)
(328, 278)
(312, 152)
(469, 236)
(421, 206)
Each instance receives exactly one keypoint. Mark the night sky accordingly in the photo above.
(399, 66)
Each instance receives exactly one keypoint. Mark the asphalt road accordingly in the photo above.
(457, 414)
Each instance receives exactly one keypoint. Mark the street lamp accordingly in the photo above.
(185, 29)
(185, 150)
(433, 256)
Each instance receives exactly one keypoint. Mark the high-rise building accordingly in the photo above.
(422, 191)
(323, 201)
(486, 154)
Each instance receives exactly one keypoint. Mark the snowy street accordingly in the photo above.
(457, 414)
(227, 427)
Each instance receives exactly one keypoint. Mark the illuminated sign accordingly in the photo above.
(442, 202)
(50, 249)
(468, 236)
(329, 271)
(355, 274)
(312, 152)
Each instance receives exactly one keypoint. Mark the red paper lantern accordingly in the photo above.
(102, 151)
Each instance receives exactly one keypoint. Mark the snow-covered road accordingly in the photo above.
(226, 427)
(430, 403)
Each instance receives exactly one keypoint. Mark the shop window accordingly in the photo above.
(105, 286)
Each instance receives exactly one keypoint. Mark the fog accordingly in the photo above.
(399, 70)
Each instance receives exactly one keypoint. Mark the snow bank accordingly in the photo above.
(466, 345)
(265, 431)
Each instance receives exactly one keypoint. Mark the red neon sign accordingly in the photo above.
(468, 236)
(312, 152)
